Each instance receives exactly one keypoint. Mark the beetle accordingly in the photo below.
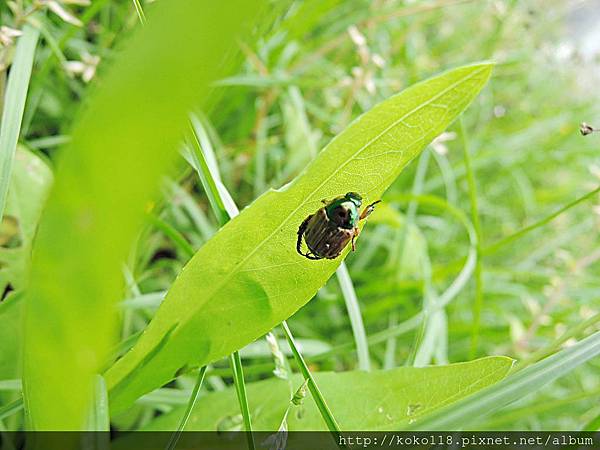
(328, 231)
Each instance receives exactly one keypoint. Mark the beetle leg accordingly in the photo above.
(368, 210)
(311, 256)
(301, 231)
(354, 236)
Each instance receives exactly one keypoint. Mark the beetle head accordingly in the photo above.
(354, 198)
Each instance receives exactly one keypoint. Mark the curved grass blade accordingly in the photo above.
(478, 301)
(540, 223)
(188, 410)
(353, 308)
(173, 234)
(200, 163)
(248, 277)
(139, 11)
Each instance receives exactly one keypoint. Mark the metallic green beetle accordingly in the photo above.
(328, 231)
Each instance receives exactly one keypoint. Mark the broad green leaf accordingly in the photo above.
(380, 400)
(514, 387)
(248, 277)
(124, 140)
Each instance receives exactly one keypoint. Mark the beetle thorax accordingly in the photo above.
(343, 213)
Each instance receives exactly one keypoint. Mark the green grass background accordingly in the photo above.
(307, 72)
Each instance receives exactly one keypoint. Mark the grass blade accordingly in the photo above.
(172, 233)
(540, 223)
(11, 408)
(2, 87)
(477, 304)
(411, 215)
(358, 328)
(208, 180)
(188, 410)
(326, 413)
(496, 246)
(101, 405)
(139, 11)
(14, 105)
(240, 387)
(99, 419)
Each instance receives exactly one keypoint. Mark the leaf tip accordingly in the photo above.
(485, 67)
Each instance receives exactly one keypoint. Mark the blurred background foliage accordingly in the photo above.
(322, 64)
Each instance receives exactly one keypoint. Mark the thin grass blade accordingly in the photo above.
(326, 413)
(14, 105)
(353, 308)
(188, 410)
(240, 387)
